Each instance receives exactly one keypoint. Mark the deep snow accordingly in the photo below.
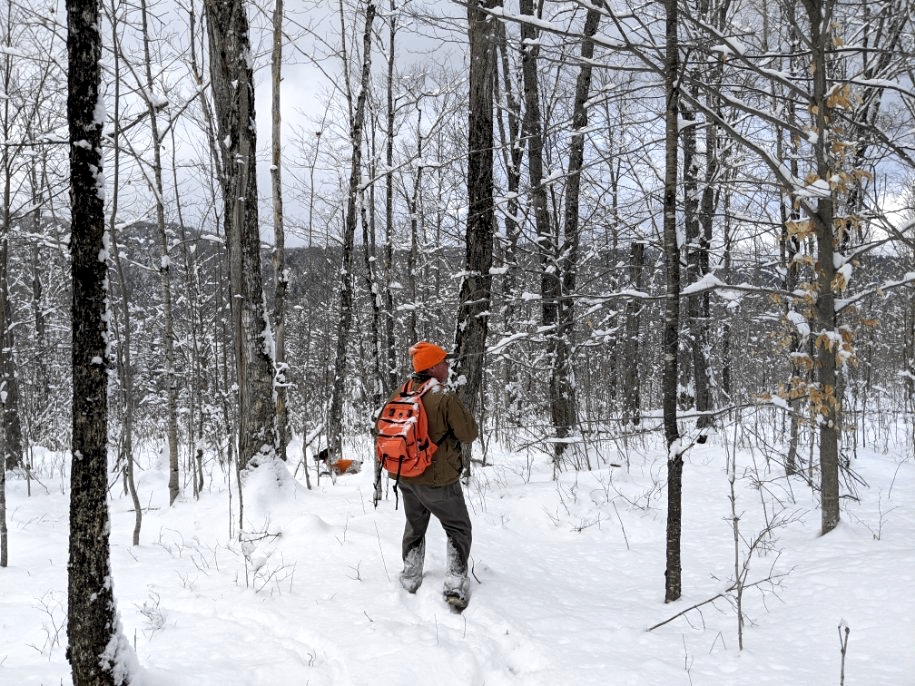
(568, 576)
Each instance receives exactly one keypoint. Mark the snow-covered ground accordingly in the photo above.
(568, 578)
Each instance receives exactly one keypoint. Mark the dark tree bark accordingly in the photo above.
(4, 545)
(233, 94)
(96, 651)
(827, 403)
(11, 438)
(631, 391)
(476, 288)
(9, 382)
(547, 239)
(789, 248)
(565, 401)
(335, 412)
(701, 195)
(672, 587)
(697, 212)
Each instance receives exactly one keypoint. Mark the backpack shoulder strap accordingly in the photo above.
(427, 385)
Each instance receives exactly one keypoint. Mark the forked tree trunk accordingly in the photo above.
(233, 93)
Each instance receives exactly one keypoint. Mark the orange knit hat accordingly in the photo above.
(426, 355)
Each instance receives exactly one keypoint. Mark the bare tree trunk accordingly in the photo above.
(335, 413)
(377, 382)
(10, 426)
(476, 288)
(279, 248)
(910, 350)
(550, 277)
(699, 214)
(631, 391)
(413, 276)
(41, 324)
(565, 405)
(827, 403)
(4, 546)
(233, 91)
(513, 155)
(672, 587)
(96, 650)
(199, 323)
(689, 256)
(390, 347)
(726, 260)
(789, 249)
(168, 334)
(124, 360)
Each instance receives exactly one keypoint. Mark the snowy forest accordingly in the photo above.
(669, 244)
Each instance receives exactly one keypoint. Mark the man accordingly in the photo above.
(437, 491)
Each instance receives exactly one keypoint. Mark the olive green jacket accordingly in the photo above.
(450, 424)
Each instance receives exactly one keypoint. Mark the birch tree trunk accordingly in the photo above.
(391, 369)
(413, 264)
(96, 650)
(279, 236)
(513, 155)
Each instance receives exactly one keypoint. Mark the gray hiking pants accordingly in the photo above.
(448, 506)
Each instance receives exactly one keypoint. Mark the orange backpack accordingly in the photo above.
(402, 442)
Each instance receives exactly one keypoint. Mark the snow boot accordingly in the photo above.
(412, 575)
(456, 590)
